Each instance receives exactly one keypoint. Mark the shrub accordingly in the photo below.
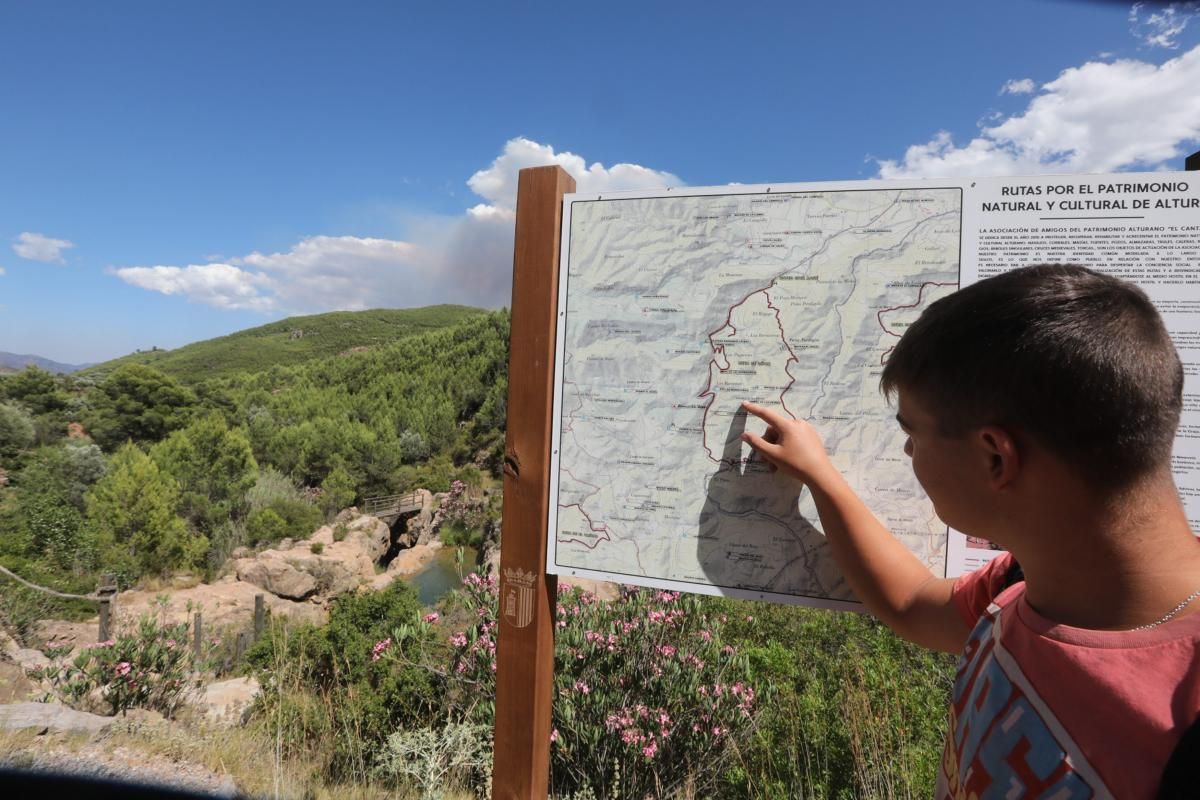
(856, 711)
(432, 756)
(316, 548)
(282, 518)
(649, 697)
(265, 525)
(322, 686)
(145, 668)
(16, 430)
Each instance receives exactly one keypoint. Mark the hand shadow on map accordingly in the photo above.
(751, 533)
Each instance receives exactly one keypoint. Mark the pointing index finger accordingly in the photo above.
(767, 415)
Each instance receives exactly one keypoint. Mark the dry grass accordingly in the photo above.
(248, 756)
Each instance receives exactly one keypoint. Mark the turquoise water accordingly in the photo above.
(440, 576)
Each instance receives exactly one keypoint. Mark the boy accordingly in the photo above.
(1040, 407)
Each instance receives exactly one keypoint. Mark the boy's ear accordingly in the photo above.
(1003, 456)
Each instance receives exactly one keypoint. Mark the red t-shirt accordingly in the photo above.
(1043, 710)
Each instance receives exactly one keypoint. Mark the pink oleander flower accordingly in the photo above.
(705, 636)
(122, 669)
(380, 648)
(649, 750)
(582, 687)
(460, 668)
(729, 650)
(170, 644)
(666, 650)
(459, 639)
(431, 617)
(553, 735)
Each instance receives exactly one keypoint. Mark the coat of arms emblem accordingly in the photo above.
(516, 600)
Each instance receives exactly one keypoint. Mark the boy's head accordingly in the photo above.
(1079, 361)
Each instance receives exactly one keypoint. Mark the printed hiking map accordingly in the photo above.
(679, 307)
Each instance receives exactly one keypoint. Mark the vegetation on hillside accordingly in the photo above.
(288, 342)
(138, 473)
(144, 472)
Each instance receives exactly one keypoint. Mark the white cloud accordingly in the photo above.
(1162, 28)
(1098, 117)
(463, 259)
(220, 285)
(36, 247)
(498, 183)
(1023, 86)
(1, 272)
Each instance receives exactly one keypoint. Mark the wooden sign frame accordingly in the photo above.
(525, 645)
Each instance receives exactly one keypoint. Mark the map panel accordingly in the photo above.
(678, 308)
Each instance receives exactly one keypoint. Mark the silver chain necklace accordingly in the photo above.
(1170, 613)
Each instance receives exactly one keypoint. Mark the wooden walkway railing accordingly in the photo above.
(392, 505)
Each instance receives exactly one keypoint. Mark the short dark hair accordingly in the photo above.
(1079, 361)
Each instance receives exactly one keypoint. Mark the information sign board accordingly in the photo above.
(675, 306)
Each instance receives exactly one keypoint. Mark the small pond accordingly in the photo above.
(440, 576)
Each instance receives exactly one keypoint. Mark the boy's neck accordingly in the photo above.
(1112, 565)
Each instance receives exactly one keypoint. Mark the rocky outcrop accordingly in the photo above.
(277, 576)
(47, 717)
(336, 559)
(227, 702)
(421, 529)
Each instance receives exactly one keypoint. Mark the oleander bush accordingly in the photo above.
(147, 667)
(650, 697)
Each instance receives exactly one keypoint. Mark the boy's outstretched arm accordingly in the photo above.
(894, 585)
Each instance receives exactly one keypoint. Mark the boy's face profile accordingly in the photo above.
(947, 468)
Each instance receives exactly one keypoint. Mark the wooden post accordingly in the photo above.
(243, 644)
(198, 637)
(260, 616)
(107, 591)
(105, 620)
(525, 646)
(1192, 164)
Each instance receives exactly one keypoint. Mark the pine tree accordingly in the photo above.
(131, 511)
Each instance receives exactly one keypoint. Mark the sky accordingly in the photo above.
(171, 172)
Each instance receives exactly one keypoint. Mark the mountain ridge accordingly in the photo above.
(15, 362)
(289, 341)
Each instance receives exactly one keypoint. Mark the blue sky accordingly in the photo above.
(175, 171)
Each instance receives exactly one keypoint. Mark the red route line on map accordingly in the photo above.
(596, 527)
(879, 315)
(791, 353)
(719, 352)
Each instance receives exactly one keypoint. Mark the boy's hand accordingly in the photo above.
(791, 445)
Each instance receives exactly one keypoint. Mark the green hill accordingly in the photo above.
(290, 341)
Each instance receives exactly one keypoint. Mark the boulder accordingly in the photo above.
(422, 529)
(277, 576)
(14, 684)
(374, 535)
(29, 659)
(228, 702)
(334, 571)
(48, 717)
